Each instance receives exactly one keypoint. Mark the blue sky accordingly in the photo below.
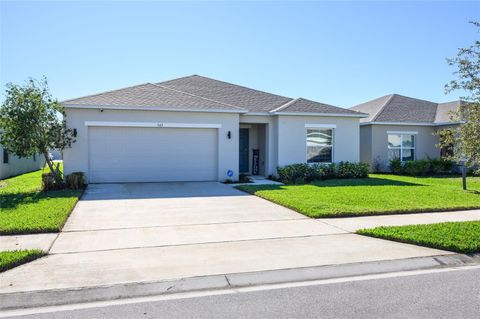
(342, 53)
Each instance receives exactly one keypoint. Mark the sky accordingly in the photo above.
(341, 53)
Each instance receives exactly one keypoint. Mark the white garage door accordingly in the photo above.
(141, 154)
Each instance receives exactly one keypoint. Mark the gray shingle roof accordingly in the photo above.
(444, 111)
(201, 93)
(302, 105)
(397, 108)
(253, 100)
(150, 95)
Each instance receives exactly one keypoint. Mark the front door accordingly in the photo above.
(244, 147)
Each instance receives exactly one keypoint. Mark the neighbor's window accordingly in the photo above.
(5, 157)
(319, 145)
(401, 146)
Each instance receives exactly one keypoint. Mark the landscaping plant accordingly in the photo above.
(33, 122)
(465, 137)
(307, 173)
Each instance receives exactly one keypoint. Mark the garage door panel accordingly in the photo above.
(133, 154)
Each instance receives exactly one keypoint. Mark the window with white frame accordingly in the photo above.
(319, 145)
(401, 146)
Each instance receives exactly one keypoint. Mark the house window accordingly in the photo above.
(401, 146)
(319, 145)
(34, 158)
(5, 157)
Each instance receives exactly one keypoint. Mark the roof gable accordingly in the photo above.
(243, 97)
(302, 105)
(395, 108)
(150, 95)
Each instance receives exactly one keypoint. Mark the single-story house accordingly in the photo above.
(401, 127)
(12, 165)
(199, 129)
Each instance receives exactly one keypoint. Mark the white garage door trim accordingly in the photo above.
(159, 125)
(153, 124)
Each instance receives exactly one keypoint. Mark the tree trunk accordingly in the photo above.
(55, 174)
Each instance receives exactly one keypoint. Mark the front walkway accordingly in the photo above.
(127, 233)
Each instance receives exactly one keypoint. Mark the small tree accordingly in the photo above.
(465, 137)
(32, 122)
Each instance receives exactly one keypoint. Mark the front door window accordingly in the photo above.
(244, 144)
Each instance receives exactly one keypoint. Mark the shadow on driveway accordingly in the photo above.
(159, 190)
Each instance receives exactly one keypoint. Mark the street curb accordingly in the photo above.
(55, 297)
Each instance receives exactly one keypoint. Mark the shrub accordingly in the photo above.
(395, 166)
(352, 170)
(75, 180)
(243, 178)
(440, 166)
(329, 171)
(296, 173)
(416, 168)
(306, 173)
(49, 183)
(424, 167)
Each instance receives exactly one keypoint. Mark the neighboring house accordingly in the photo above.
(401, 127)
(200, 129)
(12, 165)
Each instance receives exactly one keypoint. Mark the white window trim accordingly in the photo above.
(153, 124)
(320, 126)
(401, 147)
(327, 126)
(403, 132)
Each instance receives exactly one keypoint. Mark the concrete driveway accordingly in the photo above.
(126, 233)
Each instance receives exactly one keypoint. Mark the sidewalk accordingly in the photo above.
(352, 224)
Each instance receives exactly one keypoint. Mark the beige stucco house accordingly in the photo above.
(200, 129)
(401, 127)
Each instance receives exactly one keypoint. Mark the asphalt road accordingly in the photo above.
(453, 294)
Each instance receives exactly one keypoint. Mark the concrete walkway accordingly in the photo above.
(353, 224)
(35, 241)
(130, 233)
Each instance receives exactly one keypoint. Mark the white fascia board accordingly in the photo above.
(146, 108)
(397, 123)
(320, 114)
(403, 132)
(152, 124)
(410, 124)
(314, 125)
(449, 123)
(257, 113)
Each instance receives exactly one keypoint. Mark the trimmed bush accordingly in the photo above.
(424, 167)
(395, 166)
(306, 173)
(298, 173)
(352, 170)
(49, 183)
(416, 168)
(440, 166)
(76, 180)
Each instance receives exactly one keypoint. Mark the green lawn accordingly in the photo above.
(25, 209)
(10, 259)
(379, 194)
(461, 237)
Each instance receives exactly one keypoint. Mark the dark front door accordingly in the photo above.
(244, 147)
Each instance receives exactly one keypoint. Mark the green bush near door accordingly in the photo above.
(306, 173)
